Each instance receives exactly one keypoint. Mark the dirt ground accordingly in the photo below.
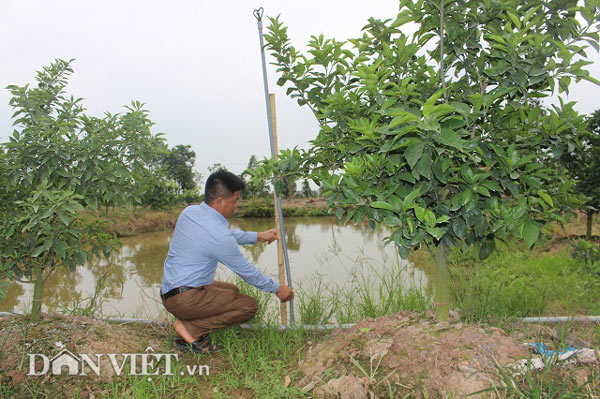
(77, 334)
(419, 357)
(408, 353)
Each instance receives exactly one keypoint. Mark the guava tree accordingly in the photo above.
(45, 231)
(256, 185)
(55, 161)
(119, 155)
(583, 164)
(431, 123)
(179, 164)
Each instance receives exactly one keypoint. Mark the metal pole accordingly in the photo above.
(258, 14)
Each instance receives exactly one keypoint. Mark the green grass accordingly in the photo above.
(260, 360)
(314, 303)
(171, 386)
(381, 291)
(515, 282)
(374, 290)
(554, 381)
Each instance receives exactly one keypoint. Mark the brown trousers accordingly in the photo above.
(216, 306)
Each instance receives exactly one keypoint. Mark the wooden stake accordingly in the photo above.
(280, 264)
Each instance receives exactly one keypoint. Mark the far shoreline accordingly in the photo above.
(128, 222)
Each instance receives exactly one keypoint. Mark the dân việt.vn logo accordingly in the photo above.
(148, 363)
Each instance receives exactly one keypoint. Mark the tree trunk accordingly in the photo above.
(38, 290)
(440, 281)
(590, 217)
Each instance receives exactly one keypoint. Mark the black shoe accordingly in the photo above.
(200, 346)
(179, 340)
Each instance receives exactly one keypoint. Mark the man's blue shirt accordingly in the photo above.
(202, 239)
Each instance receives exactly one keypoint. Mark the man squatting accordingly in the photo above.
(201, 239)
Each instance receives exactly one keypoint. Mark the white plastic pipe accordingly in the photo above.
(543, 319)
(562, 319)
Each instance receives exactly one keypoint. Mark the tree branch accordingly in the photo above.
(442, 71)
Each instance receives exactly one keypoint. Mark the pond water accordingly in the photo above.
(319, 250)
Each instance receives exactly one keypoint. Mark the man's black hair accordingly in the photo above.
(222, 183)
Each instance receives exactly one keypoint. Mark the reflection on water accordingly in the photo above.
(317, 248)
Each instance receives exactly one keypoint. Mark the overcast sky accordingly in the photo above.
(195, 64)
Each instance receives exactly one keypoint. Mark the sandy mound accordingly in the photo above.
(409, 352)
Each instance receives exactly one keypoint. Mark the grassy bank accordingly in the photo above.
(289, 208)
(127, 222)
(515, 282)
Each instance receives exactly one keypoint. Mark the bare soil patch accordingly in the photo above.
(415, 355)
(79, 335)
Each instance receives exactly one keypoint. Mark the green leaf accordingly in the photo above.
(442, 219)
(480, 225)
(36, 252)
(402, 18)
(404, 117)
(467, 195)
(492, 185)
(514, 19)
(425, 216)
(461, 108)
(424, 165)
(591, 79)
(531, 232)
(409, 199)
(435, 232)
(382, 205)
(63, 219)
(402, 251)
(477, 100)
(449, 138)
(536, 70)
(487, 247)
(439, 173)
(430, 103)
(413, 153)
(430, 219)
(59, 247)
(420, 213)
(482, 190)
(47, 244)
(460, 228)
(547, 199)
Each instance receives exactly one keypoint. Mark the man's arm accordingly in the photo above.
(228, 253)
(247, 237)
(244, 237)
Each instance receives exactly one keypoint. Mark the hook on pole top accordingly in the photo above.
(258, 13)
